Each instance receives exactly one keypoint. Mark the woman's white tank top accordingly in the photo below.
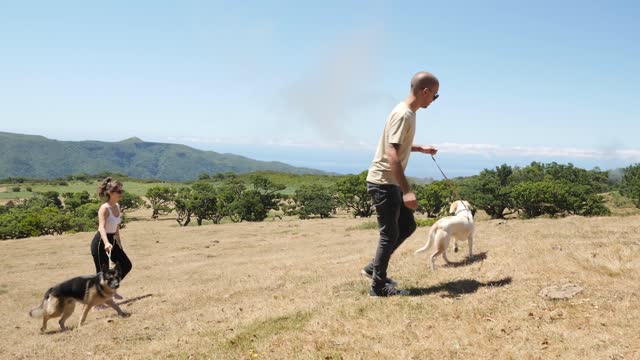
(112, 222)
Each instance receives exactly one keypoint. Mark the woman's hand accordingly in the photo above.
(107, 247)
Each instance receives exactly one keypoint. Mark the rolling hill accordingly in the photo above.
(39, 157)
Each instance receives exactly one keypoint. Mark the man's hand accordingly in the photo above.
(424, 149)
(410, 200)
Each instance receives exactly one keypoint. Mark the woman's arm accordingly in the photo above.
(118, 228)
(102, 220)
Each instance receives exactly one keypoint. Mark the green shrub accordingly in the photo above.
(630, 186)
(425, 222)
(351, 193)
(313, 199)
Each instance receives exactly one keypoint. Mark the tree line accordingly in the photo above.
(232, 199)
(535, 190)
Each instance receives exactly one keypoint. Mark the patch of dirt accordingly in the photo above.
(563, 292)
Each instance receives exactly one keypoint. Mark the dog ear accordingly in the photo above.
(453, 207)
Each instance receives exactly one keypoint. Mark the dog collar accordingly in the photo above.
(459, 211)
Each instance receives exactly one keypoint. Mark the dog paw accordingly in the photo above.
(124, 314)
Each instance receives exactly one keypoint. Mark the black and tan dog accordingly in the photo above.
(61, 299)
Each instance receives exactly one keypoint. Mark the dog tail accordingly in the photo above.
(431, 237)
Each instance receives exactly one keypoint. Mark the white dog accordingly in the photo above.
(459, 227)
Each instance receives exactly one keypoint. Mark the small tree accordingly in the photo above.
(351, 193)
(313, 199)
(183, 205)
(288, 205)
(594, 205)
(250, 206)
(87, 216)
(556, 197)
(43, 200)
(535, 198)
(8, 225)
(227, 195)
(433, 197)
(161, 198)
(490, 191)
(130, 202)
(19, 223)
(53, 221)
(72, 201)
(204, 203)
(630, 185)
(268, 195)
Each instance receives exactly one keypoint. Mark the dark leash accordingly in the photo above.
(453, 187)
(451, 184)
(108, 254)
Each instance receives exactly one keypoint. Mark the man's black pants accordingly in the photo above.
(395, 224)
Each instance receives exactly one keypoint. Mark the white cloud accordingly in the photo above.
(487, 150)
(540, 151)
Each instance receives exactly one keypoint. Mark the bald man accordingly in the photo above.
(386, 182)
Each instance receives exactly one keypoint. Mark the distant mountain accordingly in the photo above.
(39, 157)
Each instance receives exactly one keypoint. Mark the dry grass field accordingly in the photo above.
(291, 289)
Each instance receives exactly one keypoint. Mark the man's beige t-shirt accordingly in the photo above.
(399, 129)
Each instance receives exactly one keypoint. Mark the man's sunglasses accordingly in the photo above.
(435, 96)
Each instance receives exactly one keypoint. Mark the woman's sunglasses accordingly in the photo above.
(119, 191)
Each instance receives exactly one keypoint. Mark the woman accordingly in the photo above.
(107, 242)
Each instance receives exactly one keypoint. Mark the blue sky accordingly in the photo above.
(312, 84)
